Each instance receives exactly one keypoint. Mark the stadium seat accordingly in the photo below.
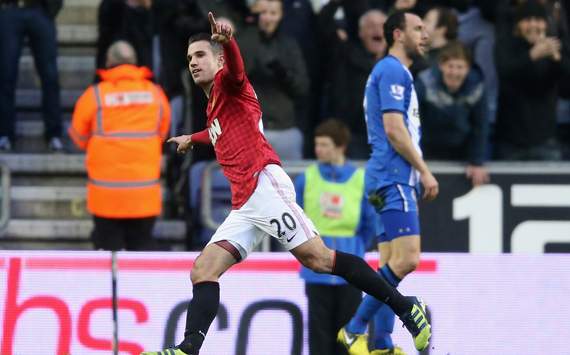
(220, 200)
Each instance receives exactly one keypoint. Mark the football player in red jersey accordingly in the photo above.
(263, 196)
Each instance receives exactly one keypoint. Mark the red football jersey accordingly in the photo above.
(234, 127)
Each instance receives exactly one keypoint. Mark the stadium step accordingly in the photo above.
(51, 202)
(31, 99)
(75, 72)
(47, 164)
(76, 35)
(30, 124)
(78, 13)
(79, 230)
(48, 202)
(74, 234)
(44, 164)
(30, 134)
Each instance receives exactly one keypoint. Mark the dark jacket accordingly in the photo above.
(52, 7)
(177, 20)
(118, 21)
(276, 69)
(455, 126)
(347, 82)
(526, 114)
(349, 65)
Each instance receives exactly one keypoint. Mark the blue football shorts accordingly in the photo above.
(397, 210)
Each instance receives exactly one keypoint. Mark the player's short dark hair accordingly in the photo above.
(395, 21)
(203, 36)
(447, 18)
(335, 130)
(455, 50)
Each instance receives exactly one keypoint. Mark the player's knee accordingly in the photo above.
(202, 272)
(196, 274)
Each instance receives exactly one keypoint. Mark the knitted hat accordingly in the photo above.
(529, 9)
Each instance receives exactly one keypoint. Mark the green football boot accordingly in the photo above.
(415, 320)
(355, 344)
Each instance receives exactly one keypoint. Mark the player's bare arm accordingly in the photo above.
(399, 138)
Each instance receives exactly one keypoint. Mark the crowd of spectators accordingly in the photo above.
(489, 86)
(310, 59)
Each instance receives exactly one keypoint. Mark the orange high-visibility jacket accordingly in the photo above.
(122, 122)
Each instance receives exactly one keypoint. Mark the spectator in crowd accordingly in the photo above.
(236, 11)
(453, 111)
(402, 5)
(128, 20)
(418, 7)
(276, 68)
(352, 60)
(332, 194)
(478, 34)
(442, 26)
(122, 122)
(529, 64)
(299, 22)
(34, 20)
(176, 20)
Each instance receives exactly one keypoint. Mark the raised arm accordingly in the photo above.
(233, 73)
(234, 70)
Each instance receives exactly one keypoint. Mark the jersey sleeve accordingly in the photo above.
(392, 86)
(233, 73)
(201, 137)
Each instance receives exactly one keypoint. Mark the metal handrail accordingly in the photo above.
(5, 186)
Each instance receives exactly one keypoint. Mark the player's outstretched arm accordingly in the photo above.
(187, 141)
(234, 70)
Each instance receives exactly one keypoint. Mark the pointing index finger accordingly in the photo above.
(212, 20)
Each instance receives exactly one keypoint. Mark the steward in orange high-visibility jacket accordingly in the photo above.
(122, 122)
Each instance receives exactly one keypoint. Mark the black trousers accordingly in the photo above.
(33, 23)
(123, 233)
(330, 308)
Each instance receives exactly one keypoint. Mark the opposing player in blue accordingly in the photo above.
(393, 176)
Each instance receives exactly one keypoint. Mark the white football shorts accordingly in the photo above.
(270, 211)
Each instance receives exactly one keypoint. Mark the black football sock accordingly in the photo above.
(201, 313)
(357, 272)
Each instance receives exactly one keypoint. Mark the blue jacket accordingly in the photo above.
(366, 230)
(454, 125)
